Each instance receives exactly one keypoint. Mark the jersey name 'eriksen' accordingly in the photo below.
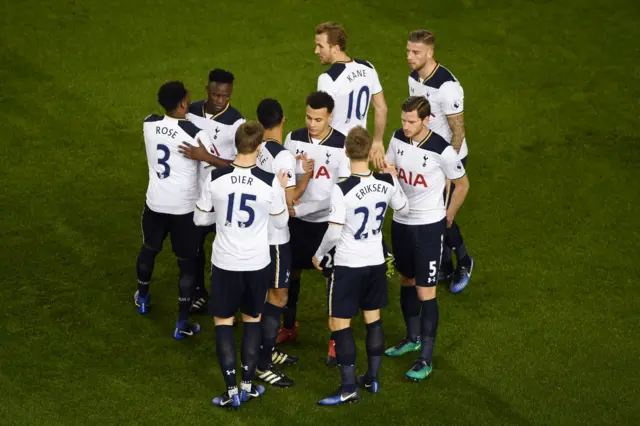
(371, 188)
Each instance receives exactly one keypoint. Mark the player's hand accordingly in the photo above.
(390, 168)
(450, 218)
(198, 153)
(292, 211)
(307, 164)
(376, 154)
(283, 178)
(316, 263)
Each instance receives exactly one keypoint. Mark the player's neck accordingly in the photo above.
(341, 57)
(177, 115)
(322, 134)
(273, 134)
(246, 160)
(427, 69)
(360, 167)
(420, 136)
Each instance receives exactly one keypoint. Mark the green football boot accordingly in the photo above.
(403, 347)
(420, 371)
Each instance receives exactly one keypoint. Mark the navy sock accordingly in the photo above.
(289, 312)
(447, 259)
(250, 350)
(269, 324)
(346, 357)
(199, 289)
(454, 240)
(144, 269)
(411, 311)
(226, 351)
(375, 348)
(429, 328)
(185, 287)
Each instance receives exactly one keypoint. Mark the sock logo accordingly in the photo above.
(230, 372)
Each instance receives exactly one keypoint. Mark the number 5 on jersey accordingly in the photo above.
(244, 207)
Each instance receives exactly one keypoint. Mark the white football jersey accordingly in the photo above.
(221, 129)
(242, 198)
(359, 203)
(422, 168)
(331, 165)
(173, 179)
(446, 97)
(272, 158)
(351, 84)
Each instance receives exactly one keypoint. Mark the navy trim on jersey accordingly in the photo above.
(363, 62)
(335, 139)
(439, 77)
(348, 184)
(414, 75)
(300, 135)
(216, 173)
(152, 118)
(399, 134)
(228, 116)
(385, 177)
(264, 176)
(197, 108)
(190, 128)
(336, 70)
(273, 147)
(436, 143)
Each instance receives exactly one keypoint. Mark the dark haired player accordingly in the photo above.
(424, 161)
(216, 116)
(319, 142)
(241, 199)
(171, 198)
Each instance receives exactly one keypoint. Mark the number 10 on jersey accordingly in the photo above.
(360, 115)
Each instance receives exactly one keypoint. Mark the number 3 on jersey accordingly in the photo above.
(364, 90)
(163, 161)
(244, 198)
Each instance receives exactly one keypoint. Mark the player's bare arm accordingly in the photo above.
(377, 149)
(200, 153)
(462, 188)
(456, 123)
(294, 194)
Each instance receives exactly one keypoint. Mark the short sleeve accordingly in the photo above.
(278, 203)
(452, 167)
(344, 169)
(375, 81)
(325, 83)
(398, 199)
(390, 157)
(452, 98)
(338, 212)
(285, 160)
(205, 202)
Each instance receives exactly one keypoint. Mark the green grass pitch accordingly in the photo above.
(545, 334)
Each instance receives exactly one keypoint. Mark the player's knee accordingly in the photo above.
(337, 324)
(249, 319)
(371, 316)
(407, 282)
(278, 297)
(426, 293)
(222, 321)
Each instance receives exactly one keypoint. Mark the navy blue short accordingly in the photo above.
(417, 250)
(351, 289)
(305, 240)
(238, 290)
(184, 233)
(280, 266)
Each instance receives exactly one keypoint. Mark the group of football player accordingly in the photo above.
(280, 206)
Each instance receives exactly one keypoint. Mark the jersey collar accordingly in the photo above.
(325, 138)
(271, 140)
(204, 114)
(238, 166)
(423, 141)
(432, 73)
(362, 174)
